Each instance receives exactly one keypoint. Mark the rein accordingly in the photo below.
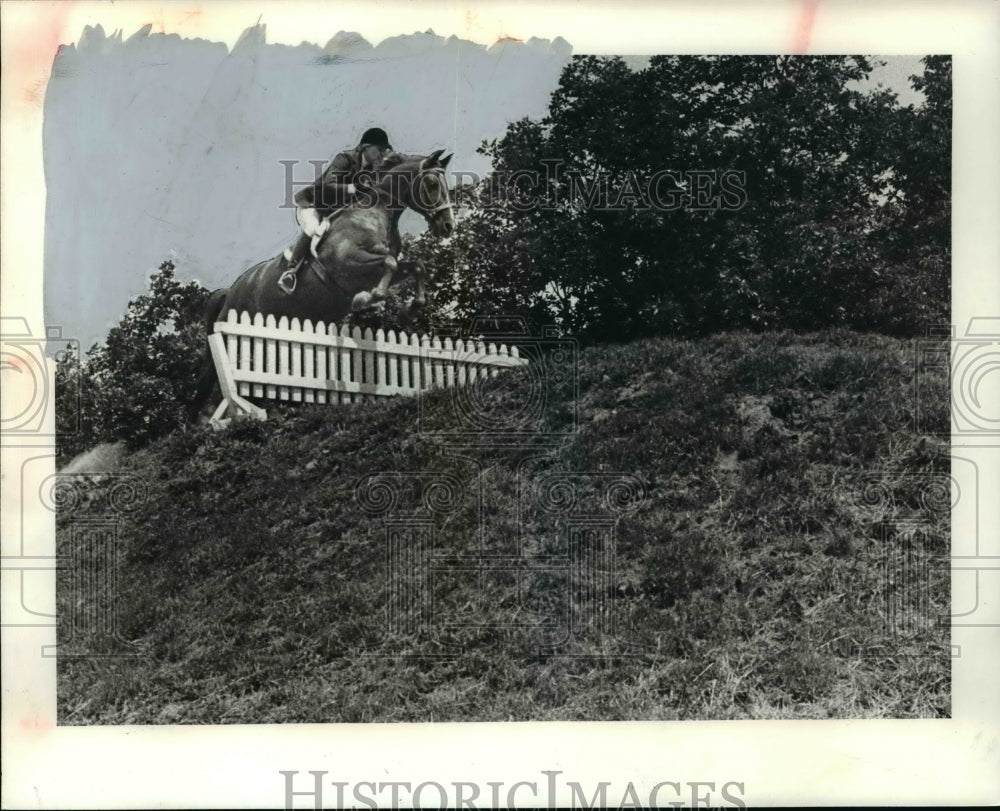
(329, 279)
(326, 278)
(446, 206)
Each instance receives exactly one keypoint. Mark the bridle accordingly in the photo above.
(447, 205)
(428, 215)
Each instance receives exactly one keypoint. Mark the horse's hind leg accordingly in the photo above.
(415, 268)
(204, 386)
(213, 307)
(206, 378)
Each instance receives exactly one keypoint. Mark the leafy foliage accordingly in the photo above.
(135, 386)
(837, 210)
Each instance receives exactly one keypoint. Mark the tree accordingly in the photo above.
(914, 224)
(795, 242)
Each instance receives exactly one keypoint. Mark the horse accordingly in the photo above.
(354, 262)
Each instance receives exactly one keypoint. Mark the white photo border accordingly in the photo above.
(944, 762)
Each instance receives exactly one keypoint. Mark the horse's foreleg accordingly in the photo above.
(382, 288)
(415, 268)
(420, 296)
(364, 263)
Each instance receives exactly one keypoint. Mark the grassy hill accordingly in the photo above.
(757, 568)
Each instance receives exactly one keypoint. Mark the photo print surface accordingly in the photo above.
(458, 399)
(651, 453)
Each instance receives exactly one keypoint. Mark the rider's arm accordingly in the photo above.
(334, 189)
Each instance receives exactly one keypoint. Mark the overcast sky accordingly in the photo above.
(895, 75)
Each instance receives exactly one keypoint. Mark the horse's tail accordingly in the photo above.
(213, 307)
(206, 378)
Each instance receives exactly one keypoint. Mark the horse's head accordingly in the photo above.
(429, 194)
(427, 189)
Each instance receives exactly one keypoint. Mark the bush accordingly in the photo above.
(135, 386)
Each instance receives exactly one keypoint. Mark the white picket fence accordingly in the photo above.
(258, 356)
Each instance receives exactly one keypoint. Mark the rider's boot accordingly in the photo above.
(291, 262)
(288, 278)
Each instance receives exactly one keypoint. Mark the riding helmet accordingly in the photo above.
(377, 137)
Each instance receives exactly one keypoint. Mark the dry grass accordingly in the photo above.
(750, 581)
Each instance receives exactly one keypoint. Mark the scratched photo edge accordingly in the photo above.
(320, 742)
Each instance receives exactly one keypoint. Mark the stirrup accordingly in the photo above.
(289, 279)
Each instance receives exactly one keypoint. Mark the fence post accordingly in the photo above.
(271, 351)
(283, 359)
(322, 355)
(295, 360)
(346, 372)
(258, 355)
(462, 373)
(369, 355)
(437, 365)
(404, 363)
(482, 370)
(415, 364)
(392, 360)
(449, 368)
(308, 363)
(232, 342)
(426, 380)
(245, 360)
(380, 358)
(224, 368)
(357, 373)
(491, 370)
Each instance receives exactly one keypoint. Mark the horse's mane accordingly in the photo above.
(394, 159)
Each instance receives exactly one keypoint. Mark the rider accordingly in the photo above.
(331, 192)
